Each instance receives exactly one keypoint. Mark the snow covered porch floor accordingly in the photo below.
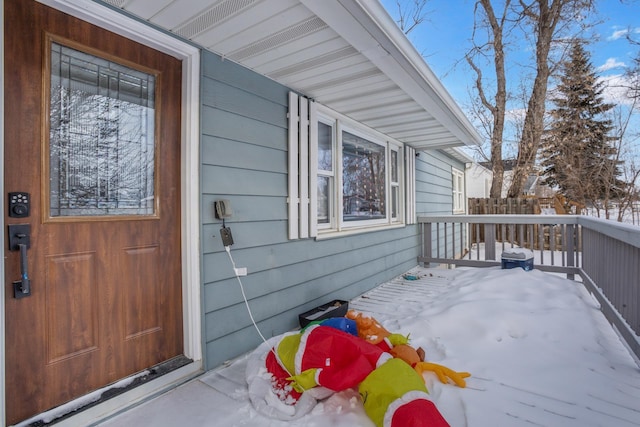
(538, 348)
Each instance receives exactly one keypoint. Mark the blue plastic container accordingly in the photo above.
(517, 257)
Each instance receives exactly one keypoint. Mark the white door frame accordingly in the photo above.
(123, 25)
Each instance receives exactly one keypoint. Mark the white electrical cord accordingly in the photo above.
(244, 296)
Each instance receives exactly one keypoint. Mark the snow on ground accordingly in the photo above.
(539, 350)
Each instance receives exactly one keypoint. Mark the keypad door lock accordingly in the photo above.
(19, 204)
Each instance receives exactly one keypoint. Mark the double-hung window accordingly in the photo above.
(357, 177)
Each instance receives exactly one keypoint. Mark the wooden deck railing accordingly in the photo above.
(604, 254)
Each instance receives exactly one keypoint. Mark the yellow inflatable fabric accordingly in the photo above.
(304, 381)
(384, 385)
(443, 373)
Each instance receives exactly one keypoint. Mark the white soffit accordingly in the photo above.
(348, 55)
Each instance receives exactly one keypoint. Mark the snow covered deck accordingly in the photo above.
(539, 350)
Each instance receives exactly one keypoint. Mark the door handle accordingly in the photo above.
(22, 288)
(20, 240)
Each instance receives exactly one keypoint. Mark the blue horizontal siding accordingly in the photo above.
(434, 194)
(434, 187)
(244, 159)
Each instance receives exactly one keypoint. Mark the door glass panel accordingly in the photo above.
(101, 137)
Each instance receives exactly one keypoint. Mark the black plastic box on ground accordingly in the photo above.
(335, 308)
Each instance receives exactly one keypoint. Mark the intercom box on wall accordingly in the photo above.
(223, 210)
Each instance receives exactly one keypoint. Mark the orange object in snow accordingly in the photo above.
(368, 328)
(407, 353)
(444, 374)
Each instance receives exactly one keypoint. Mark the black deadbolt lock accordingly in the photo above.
(19, 204)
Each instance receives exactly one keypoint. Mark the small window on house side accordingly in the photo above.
(458, 191)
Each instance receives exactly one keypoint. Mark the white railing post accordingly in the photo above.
(571, 249)
(490, 241)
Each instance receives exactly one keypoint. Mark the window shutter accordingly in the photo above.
(294, 195)
(410, 184)
(303, 167)
(313, 169)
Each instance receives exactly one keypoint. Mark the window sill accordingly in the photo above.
(333, 234)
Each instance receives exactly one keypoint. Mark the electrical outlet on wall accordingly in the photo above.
(225, 234)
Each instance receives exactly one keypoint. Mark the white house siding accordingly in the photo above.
(478, 181)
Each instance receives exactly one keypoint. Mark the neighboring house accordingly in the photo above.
(317, 121)
(478, 180)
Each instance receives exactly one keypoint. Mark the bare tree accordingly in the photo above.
(409, 17)
(496, 104)
(633, 74)
(621, 119)
(630, 202)
(547, 22)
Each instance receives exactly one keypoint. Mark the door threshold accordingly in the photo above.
(105, 403)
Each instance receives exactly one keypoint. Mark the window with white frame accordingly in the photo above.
(394, 183)
(356, 176)
(458, 191)
(364, 180)
(326, 177)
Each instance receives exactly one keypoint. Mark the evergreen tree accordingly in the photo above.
(578, 156)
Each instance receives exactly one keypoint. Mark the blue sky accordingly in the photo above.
(444, 39)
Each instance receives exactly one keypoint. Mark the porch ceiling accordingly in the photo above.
(348, 55)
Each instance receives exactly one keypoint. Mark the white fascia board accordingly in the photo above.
(458, 154)
(368, 28)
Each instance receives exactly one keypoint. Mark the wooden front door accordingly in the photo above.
(92, 135)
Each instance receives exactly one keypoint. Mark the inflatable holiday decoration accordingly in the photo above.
(326, 356)
(353, 352)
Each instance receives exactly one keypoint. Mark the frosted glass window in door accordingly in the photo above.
(101, 137)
